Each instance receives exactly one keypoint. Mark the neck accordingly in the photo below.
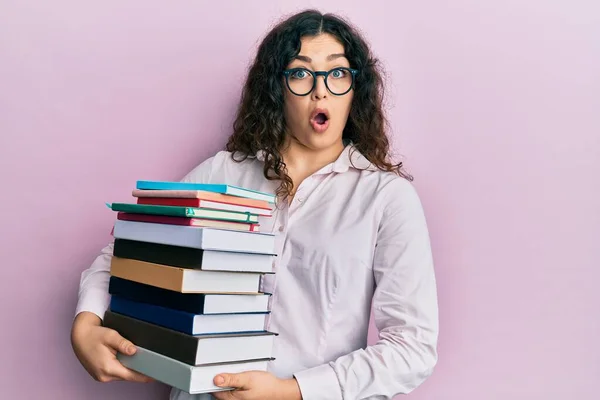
(302, 161)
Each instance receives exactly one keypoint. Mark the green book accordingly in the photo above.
(185, 212)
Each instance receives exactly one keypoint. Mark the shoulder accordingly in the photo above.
(397, 189)
(387, 190)
(398, 198)
(402, 232)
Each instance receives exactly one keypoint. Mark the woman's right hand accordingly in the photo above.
(96, 348)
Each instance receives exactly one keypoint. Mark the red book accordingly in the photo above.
(202, 203)
(206, 223)
(202, 195)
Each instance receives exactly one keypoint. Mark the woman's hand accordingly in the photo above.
(256, 385)
(96, 348)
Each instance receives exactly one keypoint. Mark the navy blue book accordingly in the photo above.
(182, 321)
(195, 303)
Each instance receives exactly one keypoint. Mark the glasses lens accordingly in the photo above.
(300, 81)
(339, 80)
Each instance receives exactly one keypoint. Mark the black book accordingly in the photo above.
(193, 258)
(192, 349)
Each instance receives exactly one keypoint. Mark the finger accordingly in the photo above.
(118, 371)
(135, 376)
(119, 343)
(237, 381)
(224, 395)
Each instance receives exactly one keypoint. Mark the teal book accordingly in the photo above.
(207, 187)
(185, 212)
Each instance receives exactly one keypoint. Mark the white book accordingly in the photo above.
(235, 207)
(198, 281)
(189, 378)
(196, 237)
(237, 262)
(235, 303)
(216, 348)
(209, 324)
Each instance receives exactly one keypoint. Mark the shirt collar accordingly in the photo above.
(349, 158)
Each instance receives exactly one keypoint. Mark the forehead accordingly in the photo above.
(320, 46)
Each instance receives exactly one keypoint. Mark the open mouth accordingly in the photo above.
(319, 119)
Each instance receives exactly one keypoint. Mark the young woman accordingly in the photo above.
(352, 236)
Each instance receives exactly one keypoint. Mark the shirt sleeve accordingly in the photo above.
(405, 312)
(93, 285)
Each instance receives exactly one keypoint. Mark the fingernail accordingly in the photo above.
(130, 349)
(219, 380)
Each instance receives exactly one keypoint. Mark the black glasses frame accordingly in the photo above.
(316, 74)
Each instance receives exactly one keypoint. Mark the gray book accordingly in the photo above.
(189, 378)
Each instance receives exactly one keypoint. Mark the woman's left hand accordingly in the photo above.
(256, 385)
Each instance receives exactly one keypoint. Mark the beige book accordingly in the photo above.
(185, 280)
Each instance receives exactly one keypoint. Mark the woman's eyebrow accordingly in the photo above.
(303, 58)
(330, 57)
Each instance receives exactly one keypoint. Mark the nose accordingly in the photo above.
(320, 91)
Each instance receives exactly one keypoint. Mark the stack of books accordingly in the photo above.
(185, 281)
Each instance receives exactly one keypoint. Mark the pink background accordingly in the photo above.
(495, 106)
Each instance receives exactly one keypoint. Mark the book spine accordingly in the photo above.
(161, 340)
(188, 302)
(183, 257)
(169, 371)
(173, 235)
(147, 209)
(174, 319)
(162, 276)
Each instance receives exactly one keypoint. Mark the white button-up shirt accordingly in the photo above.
(354, 239)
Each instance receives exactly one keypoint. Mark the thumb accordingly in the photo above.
(237, 381)
(120, 344)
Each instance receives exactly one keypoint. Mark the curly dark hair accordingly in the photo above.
(260, 124)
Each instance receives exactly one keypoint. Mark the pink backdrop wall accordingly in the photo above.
(494, 104)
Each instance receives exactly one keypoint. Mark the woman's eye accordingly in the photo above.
(338, 73)
(300, 74)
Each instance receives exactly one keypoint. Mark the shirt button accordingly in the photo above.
(281, 228)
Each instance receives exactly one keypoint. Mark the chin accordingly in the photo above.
(321, 141)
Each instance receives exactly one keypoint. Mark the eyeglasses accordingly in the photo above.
(302, 81)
